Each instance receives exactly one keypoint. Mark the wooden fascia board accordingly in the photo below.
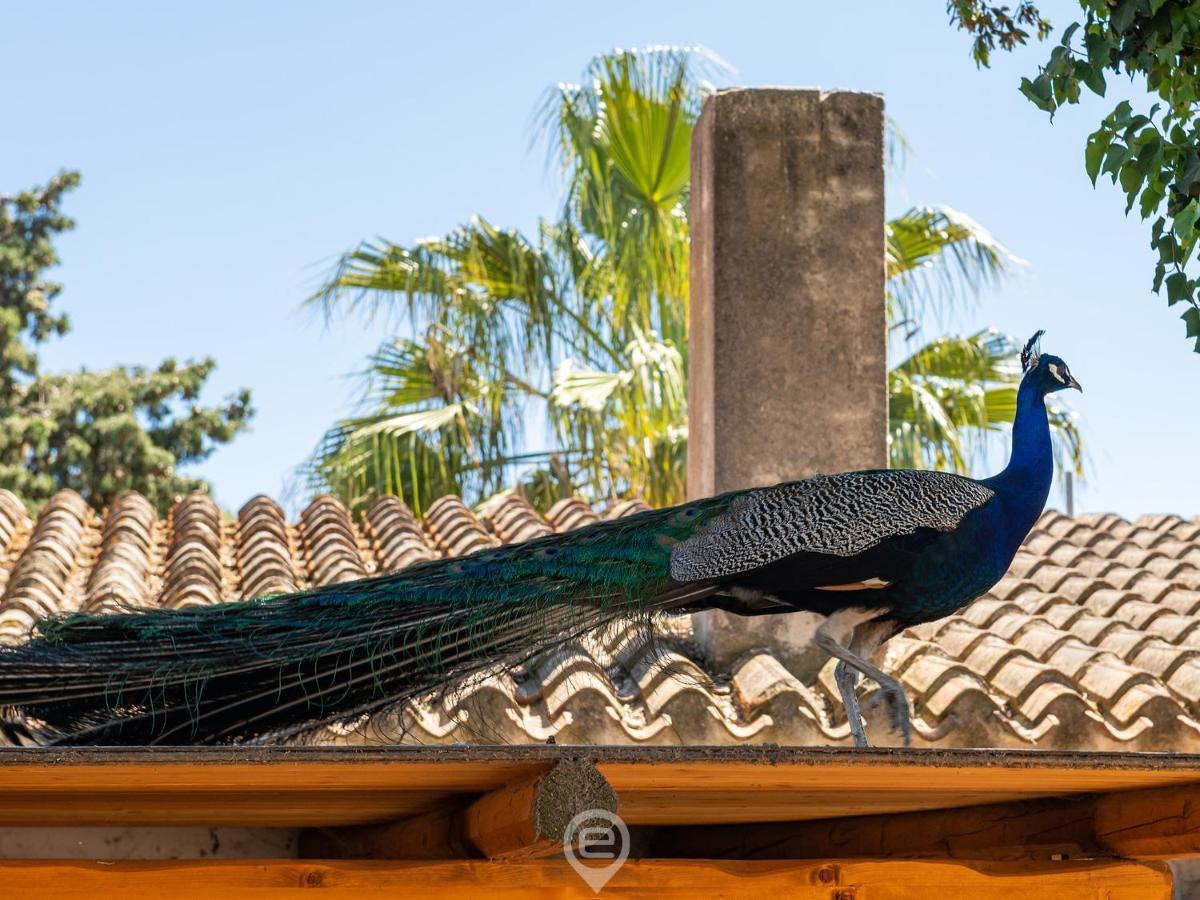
(328, 787)
(848, 879)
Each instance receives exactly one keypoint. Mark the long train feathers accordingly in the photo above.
(278, 666)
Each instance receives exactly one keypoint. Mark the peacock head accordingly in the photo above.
(1045, 372)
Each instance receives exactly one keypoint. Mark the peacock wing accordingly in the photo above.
(836, 515)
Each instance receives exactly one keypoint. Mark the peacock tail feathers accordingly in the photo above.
(285, 665)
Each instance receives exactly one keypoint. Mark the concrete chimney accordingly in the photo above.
(788, 344)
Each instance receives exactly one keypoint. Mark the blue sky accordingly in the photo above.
(230, 151)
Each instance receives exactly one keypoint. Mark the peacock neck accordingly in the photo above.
(1024, 484)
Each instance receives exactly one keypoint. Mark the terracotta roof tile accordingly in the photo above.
(193, 574)
(513, 520)
(454, 529)
(1091, 640)
(333, 547)
(626, 508)
(571, 513)
(41, 578)
(396, 535)
(127, 556)
(266, 551)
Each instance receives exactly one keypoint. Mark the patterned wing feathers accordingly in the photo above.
(839, 515)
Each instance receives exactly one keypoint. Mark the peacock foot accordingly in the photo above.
(891, 693)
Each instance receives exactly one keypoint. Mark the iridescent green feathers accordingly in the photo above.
(283, 665)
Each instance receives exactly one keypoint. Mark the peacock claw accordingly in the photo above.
(891, 693)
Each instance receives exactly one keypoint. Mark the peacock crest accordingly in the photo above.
(1032, 351)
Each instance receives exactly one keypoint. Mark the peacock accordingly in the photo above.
(863, 554)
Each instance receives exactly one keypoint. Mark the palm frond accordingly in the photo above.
(937, 257)
(622, 140)
(585, 320)
(435, 420)
(623, 427)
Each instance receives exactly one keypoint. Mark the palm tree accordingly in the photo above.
(584, 324)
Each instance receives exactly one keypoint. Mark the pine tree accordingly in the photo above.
(97, 432)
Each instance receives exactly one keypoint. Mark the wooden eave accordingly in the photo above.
(466, 820)
(333, 786)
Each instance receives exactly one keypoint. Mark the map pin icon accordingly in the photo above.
(596, 836)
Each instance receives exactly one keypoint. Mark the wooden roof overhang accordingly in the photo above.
(472, 818)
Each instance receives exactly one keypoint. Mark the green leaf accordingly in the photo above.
(1191, 318)
(1135, 123)
(1131, 182)
(1040, 92)
(1191, 171)
(1121, 114)
(1098, 46)
(1151, 197)
(1168, 248)
(1097, 146)
(1150, 151)
(1178, 288)
(1060, 60)
(1092, 76)
(937, 253)
(1122, 15)
(1185, 222)
(1114, 159)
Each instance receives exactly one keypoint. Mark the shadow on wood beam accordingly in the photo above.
(1153, 824)
(526, 820)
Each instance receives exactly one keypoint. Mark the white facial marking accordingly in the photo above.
(1055, 372)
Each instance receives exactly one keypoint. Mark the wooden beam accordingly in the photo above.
(846, 880)
(1037, 829)
(296, 787)
(435, 835)
(531, 819)
(526, 820)
(1154, 824)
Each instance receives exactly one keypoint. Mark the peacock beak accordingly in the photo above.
(1071, 382)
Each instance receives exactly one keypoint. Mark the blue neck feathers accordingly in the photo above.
(1024, 484)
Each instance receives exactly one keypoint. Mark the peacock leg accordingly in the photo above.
(891, 689)
(847, 684)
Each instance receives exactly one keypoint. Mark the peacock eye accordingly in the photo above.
(689, 513)
(547, 552)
